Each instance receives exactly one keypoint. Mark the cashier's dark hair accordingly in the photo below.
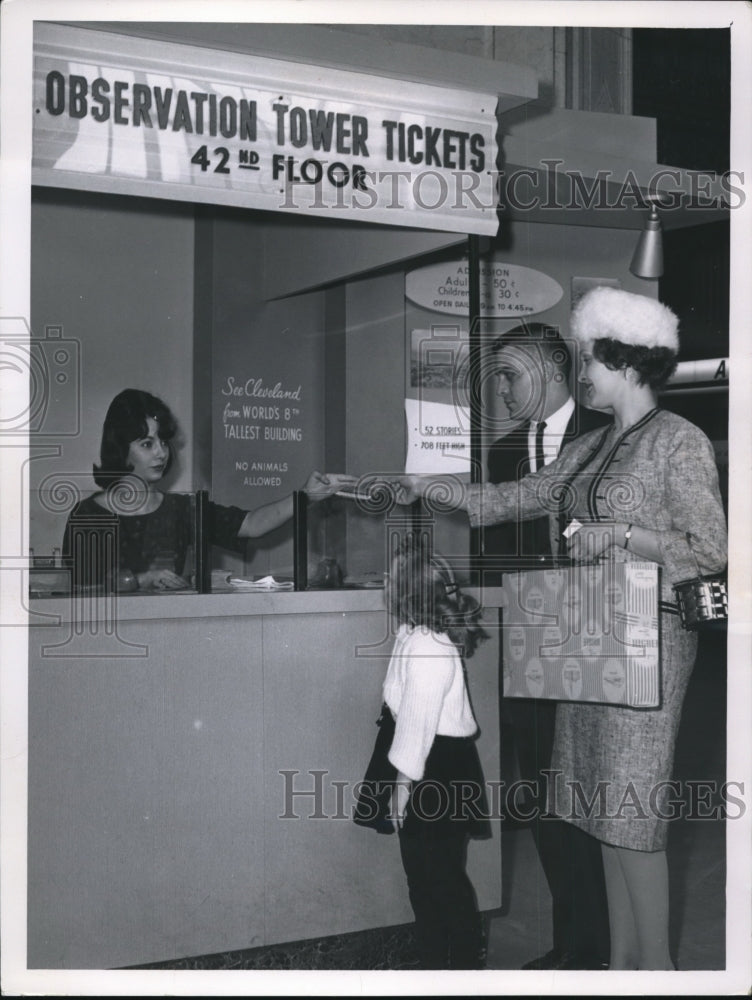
(422, 592)
(124, 423)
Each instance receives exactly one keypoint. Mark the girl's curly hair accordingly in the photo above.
(422, 591)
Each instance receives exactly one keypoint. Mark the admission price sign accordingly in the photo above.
(136, 116)
(507, 290)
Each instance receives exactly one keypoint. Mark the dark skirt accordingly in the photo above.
(450, 798)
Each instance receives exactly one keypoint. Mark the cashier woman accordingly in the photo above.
(154, 529)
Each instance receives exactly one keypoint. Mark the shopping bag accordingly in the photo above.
(586, 633)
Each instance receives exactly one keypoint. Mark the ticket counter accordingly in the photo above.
(192, 757)
(191, 775)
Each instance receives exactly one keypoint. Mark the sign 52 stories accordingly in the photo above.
(134, 116)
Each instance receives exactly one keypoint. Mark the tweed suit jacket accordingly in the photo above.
(659, 474)
(509, 460)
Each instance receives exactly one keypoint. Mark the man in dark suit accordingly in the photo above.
(532, 366)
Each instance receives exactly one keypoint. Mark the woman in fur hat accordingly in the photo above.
(644, 488)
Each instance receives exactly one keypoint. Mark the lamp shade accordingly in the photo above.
(647, 261)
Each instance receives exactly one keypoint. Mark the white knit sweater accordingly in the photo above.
(425, 690)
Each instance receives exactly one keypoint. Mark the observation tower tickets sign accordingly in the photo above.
(131, 115)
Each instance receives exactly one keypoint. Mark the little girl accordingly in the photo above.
(424, 780)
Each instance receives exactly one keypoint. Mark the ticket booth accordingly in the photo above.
(287, 238)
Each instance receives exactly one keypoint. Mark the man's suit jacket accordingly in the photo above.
(508, 459)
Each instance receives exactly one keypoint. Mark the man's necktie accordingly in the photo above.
(539, 459)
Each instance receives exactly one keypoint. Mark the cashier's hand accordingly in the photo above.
(323, 484)
(590, 542)
(400, 797)
(161, 579)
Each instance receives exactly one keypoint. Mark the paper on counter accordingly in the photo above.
(263, 583)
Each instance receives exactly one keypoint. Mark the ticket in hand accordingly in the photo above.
(572, 528)
(353, 494)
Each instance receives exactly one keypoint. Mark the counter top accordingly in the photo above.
(156, 606)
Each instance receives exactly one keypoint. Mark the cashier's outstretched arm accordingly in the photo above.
(319, 485)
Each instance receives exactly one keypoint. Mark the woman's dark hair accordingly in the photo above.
(422, 591)
(654, 365)
(126, 422)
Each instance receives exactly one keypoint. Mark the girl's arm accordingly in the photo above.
(400, 798)
(428, 676)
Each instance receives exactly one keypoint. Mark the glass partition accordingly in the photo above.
(300, 356)
(162, 551)
(341, 543)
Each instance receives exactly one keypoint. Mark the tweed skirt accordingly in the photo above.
(611, 765)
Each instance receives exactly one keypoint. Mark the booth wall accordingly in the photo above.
(277, 342)
(272, 318)
(117, 275)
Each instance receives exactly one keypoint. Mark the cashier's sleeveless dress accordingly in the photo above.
(142, 537)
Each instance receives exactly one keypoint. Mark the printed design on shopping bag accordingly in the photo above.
(583, 633)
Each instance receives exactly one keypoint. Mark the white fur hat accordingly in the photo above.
(626, 317)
